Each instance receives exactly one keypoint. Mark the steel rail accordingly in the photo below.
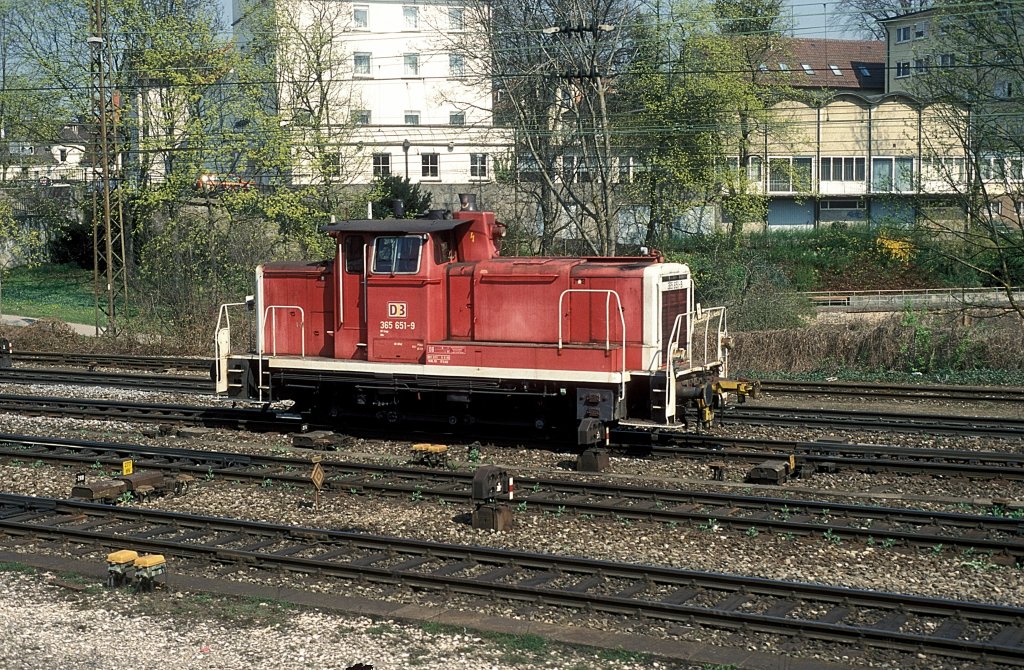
(116, 361)
(916, 624)
(821, 454)
(149, 382)
(249, 418)
(996, 535)
(873, 420)
(887, 390)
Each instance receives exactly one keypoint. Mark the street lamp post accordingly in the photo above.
(405, 147)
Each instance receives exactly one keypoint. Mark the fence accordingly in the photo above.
(895, 301)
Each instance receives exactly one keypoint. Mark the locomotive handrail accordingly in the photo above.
(222, 345)
(608, 293)
(271, 310)
(709, 314)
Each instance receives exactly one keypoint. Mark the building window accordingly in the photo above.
(890, 175)
(456, 65)
(783, 67)
(920, 31)
(381, 165)
(920, 65)
(430, 166)
(947, 60)
(946, 170)
(835, 70)
(903, 69)
(789, 174)
(330, 164)
(478, 166)
(1003, 89)
(763, 67)
(412, 65)
(807, 68)
(842, 204)
(846, 168)
(1016, 168)
(456, 118)
(903, 34)
(754, 169)
(361, 117)
(412, 117)
(864, 71)
(360, 17)
(628, 167)
(361, 64)
(456, 18)
(411, 16)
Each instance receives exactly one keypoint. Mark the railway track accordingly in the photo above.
(915, 624)
(823, 455)
(115, 361)
(244, 418)
(871, 420)
(775, 386)
(886, 390)
(147, 382)
(995, 535)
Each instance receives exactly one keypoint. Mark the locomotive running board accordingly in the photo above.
(530, 374)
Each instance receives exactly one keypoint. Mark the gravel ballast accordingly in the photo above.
(940, 573)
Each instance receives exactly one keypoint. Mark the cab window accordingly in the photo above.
(443, 252)
(354, 254)
(397, 255)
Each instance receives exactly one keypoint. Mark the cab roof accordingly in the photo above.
(394, 225)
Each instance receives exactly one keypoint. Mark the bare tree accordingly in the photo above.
(974, 154)
(862, 16)
(552, 63)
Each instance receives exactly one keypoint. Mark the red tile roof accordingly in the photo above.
(859, 65)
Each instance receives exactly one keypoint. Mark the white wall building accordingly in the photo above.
(403, 99)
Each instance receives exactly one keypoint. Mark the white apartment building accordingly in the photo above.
(404, 98)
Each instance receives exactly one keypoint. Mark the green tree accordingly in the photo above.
(388, 189)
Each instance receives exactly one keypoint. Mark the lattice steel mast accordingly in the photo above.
(110, 274)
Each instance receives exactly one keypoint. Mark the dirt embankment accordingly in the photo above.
(896, 341)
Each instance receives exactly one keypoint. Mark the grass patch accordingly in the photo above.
(434, 628)
(17, 567)
(63, 292)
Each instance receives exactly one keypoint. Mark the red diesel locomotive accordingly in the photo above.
(420, 319)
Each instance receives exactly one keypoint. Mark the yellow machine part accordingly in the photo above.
(743, 388)
(149, 561)
(427, 448)
(123, 556)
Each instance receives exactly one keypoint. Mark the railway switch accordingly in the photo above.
(593, 460)
(148, 569)
(771, 472)
(430, 455)
(120, 567)
(492, 489)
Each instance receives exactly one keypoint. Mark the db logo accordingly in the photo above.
(397, 310)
